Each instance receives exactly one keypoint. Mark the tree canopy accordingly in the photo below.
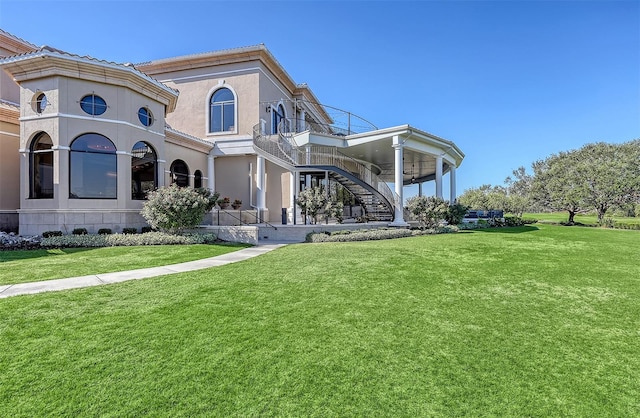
(599, 176)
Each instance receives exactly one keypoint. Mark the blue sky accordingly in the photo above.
(509, 82)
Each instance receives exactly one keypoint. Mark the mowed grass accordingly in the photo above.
(532, 321)
(37, 265)
(587, 219)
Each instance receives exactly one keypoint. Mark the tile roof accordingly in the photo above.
(46, 50)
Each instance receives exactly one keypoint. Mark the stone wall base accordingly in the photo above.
(35, 222)
(9, 221)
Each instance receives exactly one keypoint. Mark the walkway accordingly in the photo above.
(122, 276)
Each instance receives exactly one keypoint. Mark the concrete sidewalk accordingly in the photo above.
(121, 276)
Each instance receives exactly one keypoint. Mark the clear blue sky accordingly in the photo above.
(508, 81)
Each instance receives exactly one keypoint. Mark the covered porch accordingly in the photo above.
(399, 156)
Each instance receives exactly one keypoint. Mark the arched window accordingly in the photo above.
(222, 111)
(180, 173)
(197, 179)
(278, 116)
(93, 169)
(41, 168)
(144, 170)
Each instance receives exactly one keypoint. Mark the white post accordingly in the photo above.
(326, 183)
(293, 193)
(301, 123)
(398, 219)
(161, 174)
(260, 189)
(308, 154)
(263, 127)
(298, 219)
(439, 176)
(420, 189)
(211, 184)
(452, 184)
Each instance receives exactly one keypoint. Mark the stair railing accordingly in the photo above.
(285, 149)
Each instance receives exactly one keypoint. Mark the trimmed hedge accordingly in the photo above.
(374, 234)
(48, 234)
(114, 240)
(359, 235)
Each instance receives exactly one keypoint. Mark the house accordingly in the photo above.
(83, 140)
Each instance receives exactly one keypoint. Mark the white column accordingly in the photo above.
(398, 219)
(420, 189)
(326, 182)
(298, 218)
(292, 196)
(308, 155)
(439, 176)
(211, 173)
(260, 187)
(162, 176)
(301, 123)
(452, 184)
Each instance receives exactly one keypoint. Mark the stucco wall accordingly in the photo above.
(64, 120)
(9, 166)
(197, 86)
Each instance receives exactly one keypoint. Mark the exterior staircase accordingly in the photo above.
(373, 194)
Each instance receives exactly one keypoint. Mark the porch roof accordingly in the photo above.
(376, 147)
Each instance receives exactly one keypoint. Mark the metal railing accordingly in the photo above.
(341, 122)
(239, 218)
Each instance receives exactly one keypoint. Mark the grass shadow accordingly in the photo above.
(14, 255)
(509, 229)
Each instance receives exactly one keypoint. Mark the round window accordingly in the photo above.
(145, 116)
(93, 105)
(41, 102)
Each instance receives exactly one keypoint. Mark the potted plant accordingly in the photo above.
(236, 204)
(224, 202)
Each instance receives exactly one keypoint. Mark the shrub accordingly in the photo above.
(113, 240)
(129, 230)
(607, 222)
(173, 209)
(455, 213)
(429, 210)
(146, 229)
(212, 197)
(513, 221)
(335, 210)
(105, 231)
(624, 225)
(80, 231)
(47, 234)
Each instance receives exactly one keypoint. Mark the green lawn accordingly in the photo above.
(533, 321)
(36, 265)
(557, 217)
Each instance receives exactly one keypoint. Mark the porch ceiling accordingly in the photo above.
(420, 151)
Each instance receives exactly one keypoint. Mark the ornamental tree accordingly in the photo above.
(311, 201)
(173, 209)
(429, 210)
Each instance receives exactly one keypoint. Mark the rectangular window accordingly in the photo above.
(216, 118)
(228, 117)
